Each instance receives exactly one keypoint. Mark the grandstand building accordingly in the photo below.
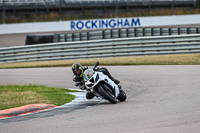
(35, 6)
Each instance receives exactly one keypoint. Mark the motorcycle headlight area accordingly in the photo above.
(90, 85)
(90, 82)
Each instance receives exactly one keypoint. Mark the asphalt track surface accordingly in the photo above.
(160, 99)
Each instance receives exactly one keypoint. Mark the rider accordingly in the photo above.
(78, 70)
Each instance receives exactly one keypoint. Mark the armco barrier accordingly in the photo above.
(109, 34)
(156, 45)
(123, 33)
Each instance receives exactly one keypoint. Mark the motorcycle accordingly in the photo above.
(102, 86)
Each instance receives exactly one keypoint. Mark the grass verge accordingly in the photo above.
(95, 14)
(179, 59)
(17, 95)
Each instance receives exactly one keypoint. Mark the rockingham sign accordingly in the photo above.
(105, 23)
(99, 24)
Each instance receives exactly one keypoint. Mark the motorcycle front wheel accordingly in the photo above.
(107, 95)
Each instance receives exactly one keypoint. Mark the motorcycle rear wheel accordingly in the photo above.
(106, 95)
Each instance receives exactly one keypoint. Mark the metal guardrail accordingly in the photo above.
(156, 45)
(123, 33)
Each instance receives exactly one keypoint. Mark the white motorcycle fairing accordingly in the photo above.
(94, 78)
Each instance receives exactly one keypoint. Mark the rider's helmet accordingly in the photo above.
(77, 69)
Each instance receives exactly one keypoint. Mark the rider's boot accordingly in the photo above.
(89, 94)
(115, 80)
(106, 72)
(120, 87)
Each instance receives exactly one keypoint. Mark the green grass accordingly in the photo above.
(54, 16)
(178, 59)
(19, 95)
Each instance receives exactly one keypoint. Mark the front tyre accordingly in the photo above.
(122, 96)
(106, 95)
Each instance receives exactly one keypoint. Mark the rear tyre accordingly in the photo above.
(107, 95)
(122, 96)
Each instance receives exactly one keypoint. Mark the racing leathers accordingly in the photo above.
(81, 83)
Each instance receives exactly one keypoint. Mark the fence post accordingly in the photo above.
(111, 36)
(187, 30)
(65, 37)
(88, 38)
(127, 32)
(103, 34)
(143, 31)
(169, 30)
(58, 37)
(179, 32)
(135, 32)
(72, 36)
(160, 31)
(80, 36)
(119, 33)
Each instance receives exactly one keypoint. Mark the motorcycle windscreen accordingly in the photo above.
(88, 74)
